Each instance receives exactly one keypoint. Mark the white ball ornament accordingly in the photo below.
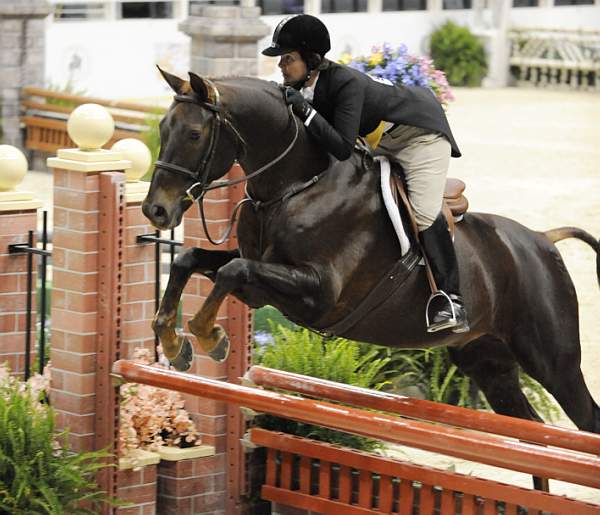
(138, 153)
(90, 126)
(13, 167)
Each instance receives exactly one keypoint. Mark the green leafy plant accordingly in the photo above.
(38, 472)
(304, 352)
(459, 53)
(434, 377)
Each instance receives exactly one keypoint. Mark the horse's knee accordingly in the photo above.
(233, 274)
(185, 261)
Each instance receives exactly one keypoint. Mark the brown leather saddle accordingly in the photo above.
(454, 206)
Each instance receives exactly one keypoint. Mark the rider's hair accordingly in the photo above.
(312, 59)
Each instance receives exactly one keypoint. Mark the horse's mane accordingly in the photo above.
(256, 92)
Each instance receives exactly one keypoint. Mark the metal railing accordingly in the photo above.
(158, 241)
(30, 249)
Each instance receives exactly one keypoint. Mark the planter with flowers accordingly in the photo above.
(399, 67)
(155, 428)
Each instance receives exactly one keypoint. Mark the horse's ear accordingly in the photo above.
(199, 86)
(172, 80)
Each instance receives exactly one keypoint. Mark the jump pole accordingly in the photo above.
(532, 459)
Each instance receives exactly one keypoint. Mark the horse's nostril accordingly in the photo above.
(158, 211)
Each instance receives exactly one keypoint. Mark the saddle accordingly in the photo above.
(454, 204)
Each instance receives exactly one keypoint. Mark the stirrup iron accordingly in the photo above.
(451, 322)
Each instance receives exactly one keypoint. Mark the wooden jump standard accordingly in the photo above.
(326, 478)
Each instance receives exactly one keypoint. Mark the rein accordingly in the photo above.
(201, 173)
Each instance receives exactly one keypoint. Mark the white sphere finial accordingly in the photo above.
(13, 167)
(138, 153)
(90, 126)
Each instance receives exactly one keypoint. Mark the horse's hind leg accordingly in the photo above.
(556, 364)
(490, 363)
(178, 350)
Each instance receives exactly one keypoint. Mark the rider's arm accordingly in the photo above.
(338, 139)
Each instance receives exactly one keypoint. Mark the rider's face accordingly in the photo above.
(293, 68)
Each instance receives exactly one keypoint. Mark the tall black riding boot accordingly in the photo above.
(437, 244)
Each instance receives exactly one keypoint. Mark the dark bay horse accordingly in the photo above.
(318, 253)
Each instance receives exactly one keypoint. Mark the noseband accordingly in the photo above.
(200, 176)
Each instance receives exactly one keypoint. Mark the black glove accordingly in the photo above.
(299, 104)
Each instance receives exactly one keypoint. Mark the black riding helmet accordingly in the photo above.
(299, 32)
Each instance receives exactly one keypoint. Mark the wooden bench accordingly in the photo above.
(45, 114)
(556, 58)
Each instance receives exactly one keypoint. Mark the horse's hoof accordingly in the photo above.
(220, 352)
(183, 361)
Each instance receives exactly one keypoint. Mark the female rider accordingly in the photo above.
(337, 104)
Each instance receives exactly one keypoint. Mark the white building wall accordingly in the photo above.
(117, 58)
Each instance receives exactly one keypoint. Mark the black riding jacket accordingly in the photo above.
(351, 104)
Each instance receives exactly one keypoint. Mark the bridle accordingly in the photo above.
(200, 175)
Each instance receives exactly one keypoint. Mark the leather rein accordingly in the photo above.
(200, 175)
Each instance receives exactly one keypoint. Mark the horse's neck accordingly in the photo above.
(304, 161)
(268, 131)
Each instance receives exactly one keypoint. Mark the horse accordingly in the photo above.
(315, 241)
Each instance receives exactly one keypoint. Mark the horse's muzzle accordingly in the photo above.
(157, 214)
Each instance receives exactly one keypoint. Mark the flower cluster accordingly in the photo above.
(152, 417)
(38, 385)
(399, 67)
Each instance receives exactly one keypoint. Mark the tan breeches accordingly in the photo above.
(425, 157)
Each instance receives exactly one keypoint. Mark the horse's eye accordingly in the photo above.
(195, 135)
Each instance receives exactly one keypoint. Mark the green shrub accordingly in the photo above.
(436, 378)
(459, 53)
(38, 473)
(428, 371)
(304, 352)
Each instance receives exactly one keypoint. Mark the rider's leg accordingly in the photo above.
(438, 246)
(425, 158)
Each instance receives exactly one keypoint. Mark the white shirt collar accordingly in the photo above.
(308, 92)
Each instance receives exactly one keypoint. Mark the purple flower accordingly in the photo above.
(399, 67)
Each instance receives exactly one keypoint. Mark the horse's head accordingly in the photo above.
(195, 149)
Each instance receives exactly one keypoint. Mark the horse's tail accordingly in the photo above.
(562, 233)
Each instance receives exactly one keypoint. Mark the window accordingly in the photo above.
(404, 5)
(129, 10)
(82, 11)
(457, 4)
(573, 2)
(343, 6)
(214, 2)
(281, 6)
(525, 3)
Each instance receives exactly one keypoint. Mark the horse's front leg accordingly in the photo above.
(283, 285)
(176, 348)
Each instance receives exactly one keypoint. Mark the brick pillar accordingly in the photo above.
(18, 216)
(214, 484)
(22, 42)
(138, 487)
(75, 295)
(224, 39)
(138, 299)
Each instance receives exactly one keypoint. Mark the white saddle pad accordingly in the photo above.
(390, 205)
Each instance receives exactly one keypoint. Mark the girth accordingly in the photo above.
(382, 291)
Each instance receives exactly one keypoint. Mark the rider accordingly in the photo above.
(337, 104)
